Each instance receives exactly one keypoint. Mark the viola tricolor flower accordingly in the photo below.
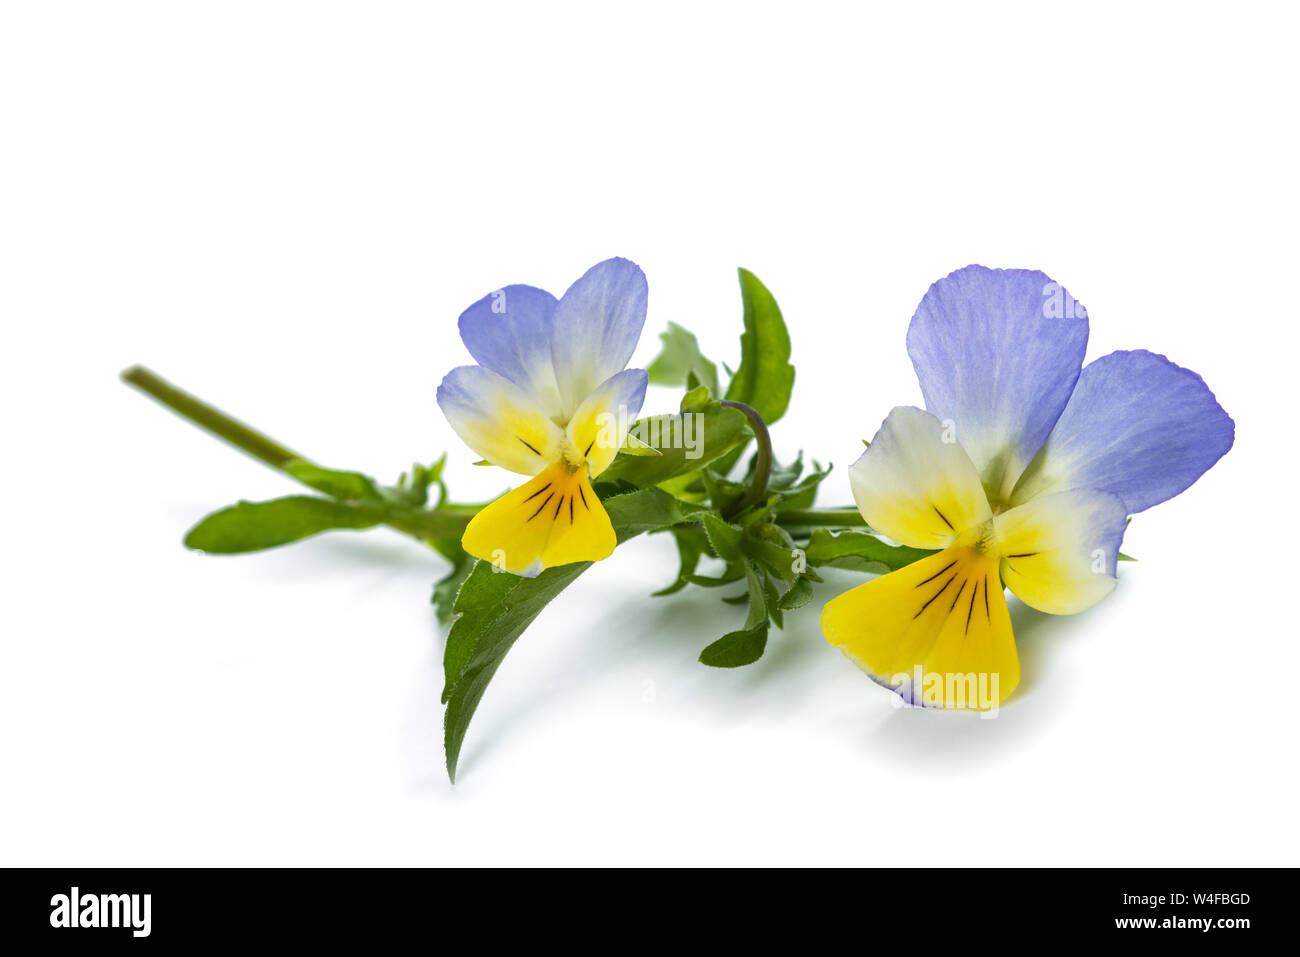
(549, 398)
(1022, 472)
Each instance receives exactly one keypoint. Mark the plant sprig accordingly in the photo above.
(762, 524)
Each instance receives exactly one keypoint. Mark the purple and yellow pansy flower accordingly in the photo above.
(1021, 471)
(549, 398)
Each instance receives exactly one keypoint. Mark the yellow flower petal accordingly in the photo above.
(916, 484)
(1059, 551)
(937, 631)
(555, 519)
(596, 431)
(499, 421)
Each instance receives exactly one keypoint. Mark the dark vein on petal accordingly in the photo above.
(540, 507)
(936, 595)
(538, 492)
(584, 498)
(971, 610)
(942, 516)
(557, 508)
(957, 596)
(530, 448)
(938, 573)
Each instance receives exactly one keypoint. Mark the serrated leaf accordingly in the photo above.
(336, 483)
(724, 538)
(803, 493)
(680, 360)
(757, 595)
(732, 574)
(687, 441)
(493, 608)
(253, 526)
(646, 510)
(765, 376)
(444, 591)
(860, 551)
(724, 465)
(692, 545)
(772, 601)
(723, 493)
(781, 476)
(798, 595)
(736, 649)
(778, 559)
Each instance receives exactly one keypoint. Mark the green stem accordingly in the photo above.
(819, 517)
(246, 439)
(423, 524)
(763, 460)
(428, 524)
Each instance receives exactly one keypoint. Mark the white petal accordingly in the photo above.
(916, 484)
(1059, 551)
(499, 421)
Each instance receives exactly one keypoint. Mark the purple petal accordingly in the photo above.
(509, 332)
(597, 324)
(1137, 426)
(997, 352)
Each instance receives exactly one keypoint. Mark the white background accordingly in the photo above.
(284, 208)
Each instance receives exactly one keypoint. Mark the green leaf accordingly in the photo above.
(736, 648)
(723, 493)
(772, 602)
(800, 594)
(757, 595)
(724, 538)
(680, 359)
(731, 574)
(765, 377)
(414, 491)
(692, 545)
(493, 608)
(444, 592)
(724, 465)
(860, 551)
(342, 485)
(803, 493)
(634, 446)
(776, 558)
(647, 510)
(252, 526)
(781, 476)
(688, 441)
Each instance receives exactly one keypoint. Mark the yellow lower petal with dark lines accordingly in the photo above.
(938, 631)
(555, 519)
